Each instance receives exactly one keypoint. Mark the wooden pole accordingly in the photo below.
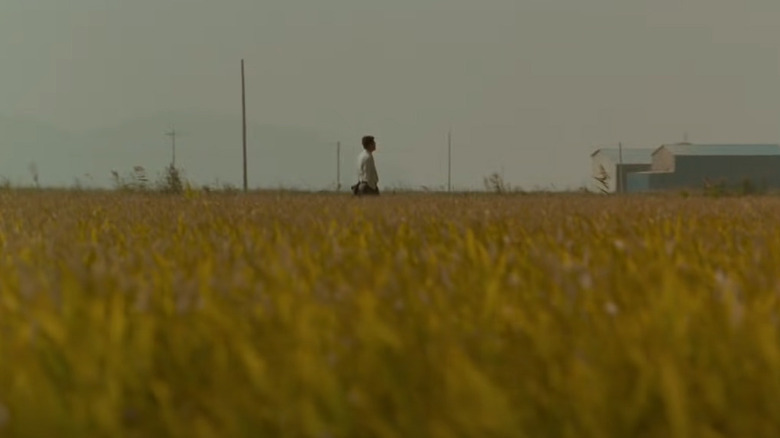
(243, 121)
(338, 166)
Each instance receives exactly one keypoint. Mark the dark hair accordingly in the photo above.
(368, 140)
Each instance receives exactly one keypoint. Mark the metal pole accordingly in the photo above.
(243, 120)
(172, 134)
(449, 161)
(620, 168)
(338, 166)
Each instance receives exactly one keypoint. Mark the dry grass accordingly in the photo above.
(404, 316)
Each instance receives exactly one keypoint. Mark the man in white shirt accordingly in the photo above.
(368, 178)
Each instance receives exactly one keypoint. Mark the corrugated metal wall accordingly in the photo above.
(693, 172)
(638, 182)
(628, 169)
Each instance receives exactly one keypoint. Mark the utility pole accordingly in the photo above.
(620, 168)
(172, 135)
(449, 161)
(338, 166)
(243, 120)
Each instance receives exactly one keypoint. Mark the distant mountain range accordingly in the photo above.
(208, 148)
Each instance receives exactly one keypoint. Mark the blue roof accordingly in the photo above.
(722, 149)
(630, 156)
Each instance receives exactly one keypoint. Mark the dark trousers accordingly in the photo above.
(362, 188)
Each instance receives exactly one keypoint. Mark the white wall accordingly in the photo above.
(663, 160)
(600, 161)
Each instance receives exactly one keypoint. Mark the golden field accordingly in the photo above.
(293, 315)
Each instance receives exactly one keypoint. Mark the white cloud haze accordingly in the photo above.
(528, 87)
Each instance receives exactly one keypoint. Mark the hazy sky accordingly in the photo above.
(529, 87)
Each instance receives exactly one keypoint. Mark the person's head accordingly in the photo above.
(369, 143)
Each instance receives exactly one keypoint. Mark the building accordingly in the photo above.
(608, 172)
(694, 166)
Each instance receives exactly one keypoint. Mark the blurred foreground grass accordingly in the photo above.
(405, 316)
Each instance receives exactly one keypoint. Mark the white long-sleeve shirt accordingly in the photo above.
(367, 169)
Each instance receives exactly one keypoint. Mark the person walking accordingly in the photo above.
(368, 177)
